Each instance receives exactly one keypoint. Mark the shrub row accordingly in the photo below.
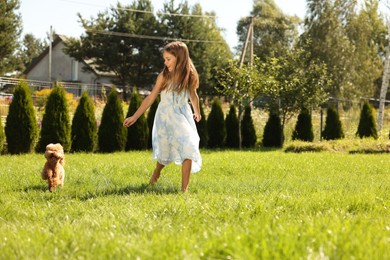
(83, 134)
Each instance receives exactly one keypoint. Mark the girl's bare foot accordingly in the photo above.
(154, 177)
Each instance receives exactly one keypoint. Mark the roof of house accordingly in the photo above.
(62, 38)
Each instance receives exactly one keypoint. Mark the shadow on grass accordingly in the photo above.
(130, 189)
(37, 187)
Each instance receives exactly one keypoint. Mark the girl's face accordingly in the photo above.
(169, 61)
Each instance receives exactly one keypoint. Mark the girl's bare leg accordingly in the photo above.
(156, 173)
(185, 173)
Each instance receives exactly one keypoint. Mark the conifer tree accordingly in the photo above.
(84, 128)
(248, 131)
(138, 133)
(232, 131)
(21, 127)
(273, 133)
(111, 132)
(56, 121)
(333, 128)
(367, 124)
(2, 137)
(150, 119)
(304, 128)
(216, 126)
(201, 126)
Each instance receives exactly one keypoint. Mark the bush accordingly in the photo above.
(367, 123)
(138, 133)
(55, 122)
(216, 126)
(273, 133)
(248, 132)
(112, 133)
(232, 130)
(2, 137)
(150, 119)
(304, 128)
(333, 128)
(201, 127)
(84, 128)
(21, 127)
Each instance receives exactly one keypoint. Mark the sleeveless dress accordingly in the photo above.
(174, 134)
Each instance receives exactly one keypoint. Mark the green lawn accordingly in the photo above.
(241, 205)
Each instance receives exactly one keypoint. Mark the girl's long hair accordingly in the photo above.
(184, 75)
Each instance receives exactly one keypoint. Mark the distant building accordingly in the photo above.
(68, 70)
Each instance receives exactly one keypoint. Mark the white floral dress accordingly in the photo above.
(174, 134)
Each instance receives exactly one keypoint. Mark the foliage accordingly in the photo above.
(84, 128)
(137, 60)
(333, 128)
(2, 136)
(243, 83)
(349, 43)
(31, 48)
(273, 132)
(304, 128)
(21, 126)
(367, 124)
(209, 50)
(56, 121)
(137, 134)
(150, 119)
(111, 132)
(10, 30)
(232, 131)
(201, 127)
(248, 131)
(298, 82)
(216, 126)
(274, 31)
(338, 212)
(127, 57)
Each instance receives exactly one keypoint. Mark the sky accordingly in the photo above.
(39, 15)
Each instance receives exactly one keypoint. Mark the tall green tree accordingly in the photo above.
(349, 39)
(367, 123)
(111, 133)
(216, 125)
(201, 127)
(21, 126)
(84, 128)
(274, 31)
(2, 137)
(111, 42)
(30, 48)
(150, 119)
(138, 133)
(208, 49)
(248, 130)
(333, 128)
(10, 30)
(56, 121)
(303, 128)
(232, 131)
(273, 132)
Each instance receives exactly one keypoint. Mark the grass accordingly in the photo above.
(242, 205)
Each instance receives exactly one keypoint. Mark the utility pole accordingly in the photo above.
(385, 85)
(249, 38)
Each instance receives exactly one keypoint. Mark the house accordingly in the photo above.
(67, 70)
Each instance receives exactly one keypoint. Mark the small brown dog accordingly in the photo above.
(53, 170)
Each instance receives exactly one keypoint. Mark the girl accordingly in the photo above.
(174, 134)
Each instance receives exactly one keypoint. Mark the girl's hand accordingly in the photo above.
(129, 121)
(197, 117)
